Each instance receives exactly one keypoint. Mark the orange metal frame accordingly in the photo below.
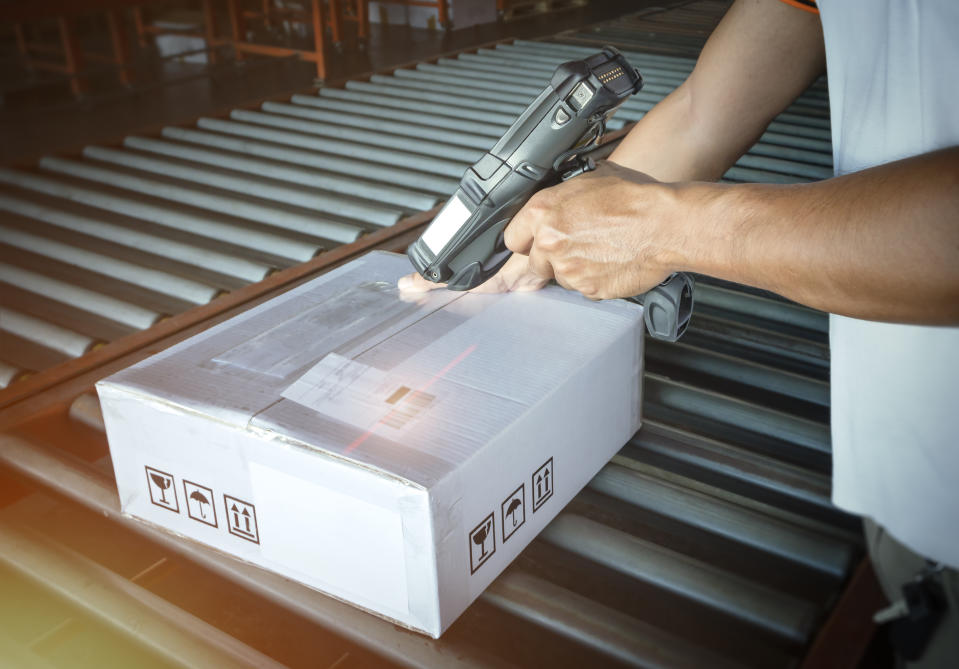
(68, 58)
(317, 17)
(71, 58)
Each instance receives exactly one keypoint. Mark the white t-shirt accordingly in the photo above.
(893, 68)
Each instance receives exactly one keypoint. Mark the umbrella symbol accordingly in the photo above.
(162, 483)
(480, 537)
(200, 499)
(511, 509)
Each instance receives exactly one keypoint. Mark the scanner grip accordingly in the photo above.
(668, 307)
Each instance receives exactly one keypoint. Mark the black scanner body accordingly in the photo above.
(463, 247)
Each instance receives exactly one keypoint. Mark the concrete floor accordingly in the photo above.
(38, 115)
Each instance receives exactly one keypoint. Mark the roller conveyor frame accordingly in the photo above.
(717, 510)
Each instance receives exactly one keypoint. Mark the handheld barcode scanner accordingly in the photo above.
(463, 246)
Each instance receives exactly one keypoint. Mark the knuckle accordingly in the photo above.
(542, 201)
(549, 240)
(589, 290)
(554, 239)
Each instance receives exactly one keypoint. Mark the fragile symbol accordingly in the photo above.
(162, 492)
(241, 519)
(514, 512)
(482, 536)
(199, 503)
(542, 483)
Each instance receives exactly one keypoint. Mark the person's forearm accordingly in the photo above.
(760, 57)
(882, 244)
(669, 145)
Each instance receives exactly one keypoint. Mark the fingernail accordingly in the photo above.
(405, 283)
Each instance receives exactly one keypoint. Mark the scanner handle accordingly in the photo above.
(668, 307)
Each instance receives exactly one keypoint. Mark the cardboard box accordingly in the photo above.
(394, 454)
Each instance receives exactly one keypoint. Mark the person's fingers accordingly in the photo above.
(518, 235)
(495, 284)
(539, 264)
(513, 275)
(523, 278)
(529, 283)
(414, 283)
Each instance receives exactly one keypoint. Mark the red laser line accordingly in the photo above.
(436, 377)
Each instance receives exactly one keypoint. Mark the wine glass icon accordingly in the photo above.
(479, 537)
(162, 483)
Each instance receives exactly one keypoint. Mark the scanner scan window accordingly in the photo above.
(446, 223)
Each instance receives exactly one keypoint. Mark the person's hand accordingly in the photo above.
(606, 233)
(514, 275)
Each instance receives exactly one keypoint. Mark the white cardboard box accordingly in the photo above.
(394, 454)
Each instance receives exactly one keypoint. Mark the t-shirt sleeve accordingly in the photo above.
(805, 5)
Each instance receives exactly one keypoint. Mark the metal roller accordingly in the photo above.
(448, 108)
(773, 536)
(752, 175)
(367, 171)
(759, 606)
(54, 337)
(474, 65)
(420, 129)
(216, 261)
(780, 125)
(816, 146)
(384, 88)
(173, 634)
(537, 59)
(8, 373)
(421, 117)
(777, 311)
(329, 181)
(169, 215)
(286, 218)
(676, 61)
(453, 83)
(526, 48)
(82, 298)
(764, 345)
(723, 465)
(704, 361)
(461, 90)
(796, 157)
(606, 631)
(540, 58)
(475, 84)
(651, 84)
(414, 145)
(151, 279)
(804, 433)
(227, 179)
(372, 153)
